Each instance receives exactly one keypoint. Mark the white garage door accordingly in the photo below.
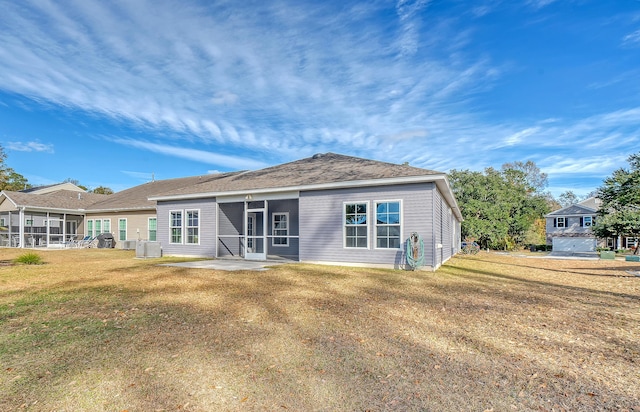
(573, 244)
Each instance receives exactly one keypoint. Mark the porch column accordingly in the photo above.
(48, 225)
(64, 228)
(21, 227)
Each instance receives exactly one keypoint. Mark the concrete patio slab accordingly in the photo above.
(229, 264)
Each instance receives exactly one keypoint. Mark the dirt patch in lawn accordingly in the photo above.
(99, 330)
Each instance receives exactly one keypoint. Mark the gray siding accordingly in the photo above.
(289, 206)
(207, 235)
(321, 223)
(572, 229)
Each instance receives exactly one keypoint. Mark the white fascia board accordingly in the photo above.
(53, 210)
(122, 209)
(9, 199)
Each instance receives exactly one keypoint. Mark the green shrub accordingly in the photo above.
(29, 259)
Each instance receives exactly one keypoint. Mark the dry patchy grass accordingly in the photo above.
(99, 330)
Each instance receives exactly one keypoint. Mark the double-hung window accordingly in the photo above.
(280, 229)
(90, 227)
(192, 226)
(106, 226)
(175, 226)
(587, 221)
(153, 227)
(98, 227)
(122, 229)
(560, 222)
(356, 227)
(388, 225)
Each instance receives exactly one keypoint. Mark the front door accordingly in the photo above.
(255, 238)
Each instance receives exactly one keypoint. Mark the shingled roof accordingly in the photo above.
(63, 200)
(316, 170)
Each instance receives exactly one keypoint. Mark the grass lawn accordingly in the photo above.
(99, 330)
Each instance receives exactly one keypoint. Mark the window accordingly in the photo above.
(631, 242)
(355, 225)
(560, 222)
(3, 222)
(388, 225)
(28, 222)
(587, 221)
(193, 226)
(90, 227)
(98, 226)
(175, 226)
(153, 227)
(106, 226)
(280, 223)
(122, 229)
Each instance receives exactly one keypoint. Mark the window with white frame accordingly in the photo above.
(98, 226)
(280, 229)
(193, 226)
(90, 227)
(3, 222)
(153, 228)
(388, 225)
(122, 229)
(175, 226)
(587, 221)
(632, 242)
(106, 226)
(560, 222)
(356, 226)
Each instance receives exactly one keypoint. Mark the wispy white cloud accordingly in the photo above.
(202, 156)
(632, 39)
(30, 147)
(288, 79)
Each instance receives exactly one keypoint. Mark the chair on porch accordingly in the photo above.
(87, 241)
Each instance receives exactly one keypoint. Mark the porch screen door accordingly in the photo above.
(256, 239)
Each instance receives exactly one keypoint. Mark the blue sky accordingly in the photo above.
(111, 92)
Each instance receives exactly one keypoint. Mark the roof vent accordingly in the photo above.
(79, 196)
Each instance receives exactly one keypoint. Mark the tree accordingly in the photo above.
(531, 176)
(75, 182)
(103, 190)
(500, 206)
(568, 198)
(619, 214)
(9, 178)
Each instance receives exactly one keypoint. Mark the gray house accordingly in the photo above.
(328, 208)
(569, 229)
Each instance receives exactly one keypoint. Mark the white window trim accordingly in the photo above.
(3, 222)
(171, 227)
(149, 228)
(584, 221)
(126, 228)
(92, 231)
(344, 224)
(273, 230)
(564, 222)
(375, 224)
(186, 226)
(104, 226)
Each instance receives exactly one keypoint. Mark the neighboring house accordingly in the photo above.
(328, 208)
(129, 214)
(569, 229)
(45, 216)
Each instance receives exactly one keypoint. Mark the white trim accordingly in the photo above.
(126, 229)
(375, 224)
(273, 236)
(186, 226)
(344, 224)
(239, 198)
(564, 222)
(149, 228)
(171, 242)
